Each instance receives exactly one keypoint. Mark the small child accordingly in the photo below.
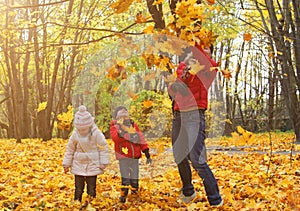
(129, 142)
(86, 153)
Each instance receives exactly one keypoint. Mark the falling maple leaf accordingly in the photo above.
(247, 36)
(165, 63)
(149, 59)
(147, 103)
(226, 74)
(196, 67)
(42, 106)
(121, 6)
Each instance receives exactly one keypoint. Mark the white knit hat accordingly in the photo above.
(83, 119)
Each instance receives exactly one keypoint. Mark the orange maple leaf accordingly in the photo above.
(140, 19)
(149, 59)
(247, 36)
(147, 103)
(149, 29)
(226, 74)
(121, 6)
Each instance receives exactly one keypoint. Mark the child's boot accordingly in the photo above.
(124, 193)
(135, 186)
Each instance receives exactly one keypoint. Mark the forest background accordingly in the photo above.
(57, 55)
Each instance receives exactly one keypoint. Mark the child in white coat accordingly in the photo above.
(86, 153)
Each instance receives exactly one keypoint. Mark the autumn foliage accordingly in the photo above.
(250, 177)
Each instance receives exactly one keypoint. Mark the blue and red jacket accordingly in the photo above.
(197, 85)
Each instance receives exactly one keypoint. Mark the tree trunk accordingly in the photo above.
(228, 123)
(288, 78)
(48, 124)
(156, 12)
(14, 80)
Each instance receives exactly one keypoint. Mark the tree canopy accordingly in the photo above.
(47, 48)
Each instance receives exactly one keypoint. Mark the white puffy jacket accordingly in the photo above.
(85, 154)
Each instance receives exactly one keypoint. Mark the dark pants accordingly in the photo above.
(188, 135)
(129, 169)
(80, 183)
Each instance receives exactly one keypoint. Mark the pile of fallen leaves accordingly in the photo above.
(261, 175)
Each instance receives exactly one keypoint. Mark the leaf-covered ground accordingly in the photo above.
(262, 175)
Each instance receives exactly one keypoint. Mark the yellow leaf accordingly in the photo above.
(280, 53)
(248, 167)
(228, 194)
(149, 30)
(49, 205)
(42, 106)
(167, 103)
(65, 119)
(131, 129)
(196, 67)
(249, 137)
(90, 208)
(240, 129)
(228, 121)
(156, 2)
(266, 158)
(121, 6)
(125, 150)
(161, 149)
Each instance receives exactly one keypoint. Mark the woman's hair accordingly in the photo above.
(184, 54)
